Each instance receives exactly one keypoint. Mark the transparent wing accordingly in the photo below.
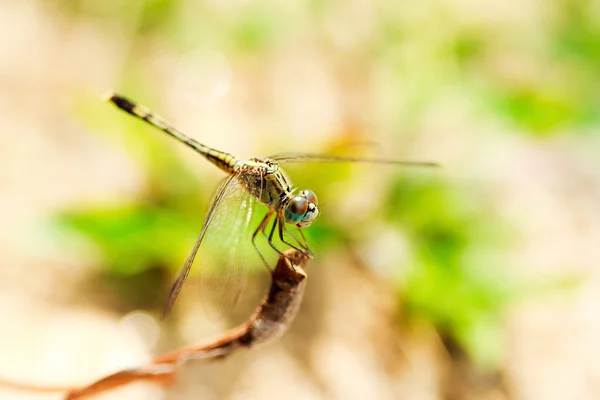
(307, 158)
(229, 191)
(227, 254)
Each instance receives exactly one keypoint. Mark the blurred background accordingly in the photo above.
(477, 280)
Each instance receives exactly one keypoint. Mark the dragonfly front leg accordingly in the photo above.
(303, 244)
(270, 238)
(282, 238)
(261, 228)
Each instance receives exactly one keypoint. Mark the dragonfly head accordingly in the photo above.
(302, 210)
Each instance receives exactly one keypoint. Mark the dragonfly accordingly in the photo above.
(256, 179)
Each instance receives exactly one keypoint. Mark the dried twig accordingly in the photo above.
(270, 320)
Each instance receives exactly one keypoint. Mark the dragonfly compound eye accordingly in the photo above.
(310, 196)
(302, 210)
(311, 214)
(296, 209)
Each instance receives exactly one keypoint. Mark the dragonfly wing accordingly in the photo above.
(307, 158)
(229, 186)
(228, 252)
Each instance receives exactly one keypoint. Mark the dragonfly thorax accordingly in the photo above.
(263, 179)
(302, 210)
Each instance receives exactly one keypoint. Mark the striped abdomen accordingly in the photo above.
(224, 161)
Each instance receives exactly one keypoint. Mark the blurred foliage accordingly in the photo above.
(136, 238)
(132, 237)
(562, 88)
(448, 284)
(463, 295)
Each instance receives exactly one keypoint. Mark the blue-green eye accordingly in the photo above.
(295, 210)
(302, 210)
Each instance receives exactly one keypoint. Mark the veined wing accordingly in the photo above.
(229, 190)
(284, 158)
(227, 254)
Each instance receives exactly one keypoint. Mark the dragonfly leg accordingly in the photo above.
(279, 222)
(281, 237)
(270, 238)
(304, 244)
(261, 228)
(264, 232)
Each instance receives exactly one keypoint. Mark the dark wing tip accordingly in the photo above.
(173, 293)
(175, 289)
(168, 306)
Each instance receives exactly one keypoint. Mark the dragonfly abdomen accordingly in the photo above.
(224, 161)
